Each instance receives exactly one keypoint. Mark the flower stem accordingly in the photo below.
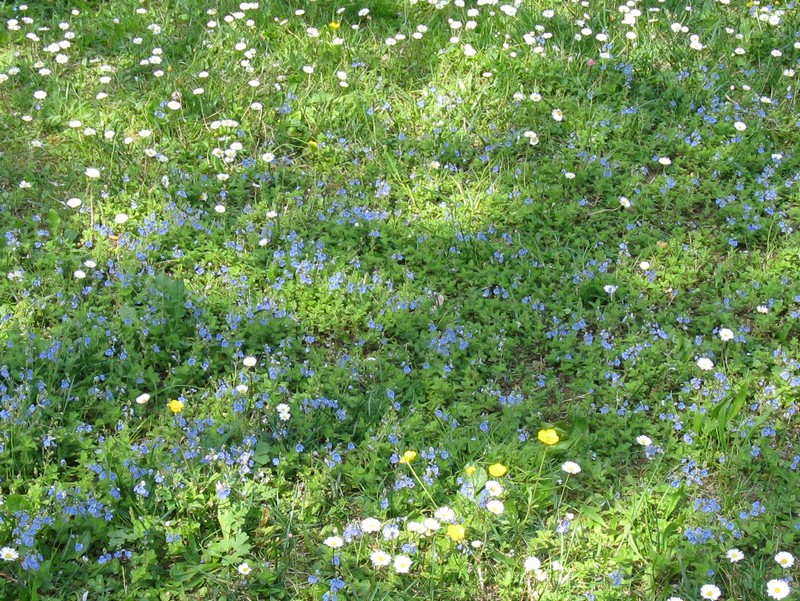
(413, 473)
(535, 486)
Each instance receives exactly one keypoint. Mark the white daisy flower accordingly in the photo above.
(705, 364)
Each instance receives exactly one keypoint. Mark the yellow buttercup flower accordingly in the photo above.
(408, 457)
(312, 144)
(334, 25)
(497, 470)
(457, 532)
(548, 437)
(471, 469)
(175, 406)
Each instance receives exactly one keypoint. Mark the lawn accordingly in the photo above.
(399, 300)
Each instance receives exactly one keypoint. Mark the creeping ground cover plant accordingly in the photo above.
(399, 300)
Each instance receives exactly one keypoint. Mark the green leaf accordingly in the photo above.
(593, 516)
(16, 503)
(262, 453)
(53, 220)
(479, 479)
(231, 520)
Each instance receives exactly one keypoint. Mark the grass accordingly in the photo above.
(407, 300)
